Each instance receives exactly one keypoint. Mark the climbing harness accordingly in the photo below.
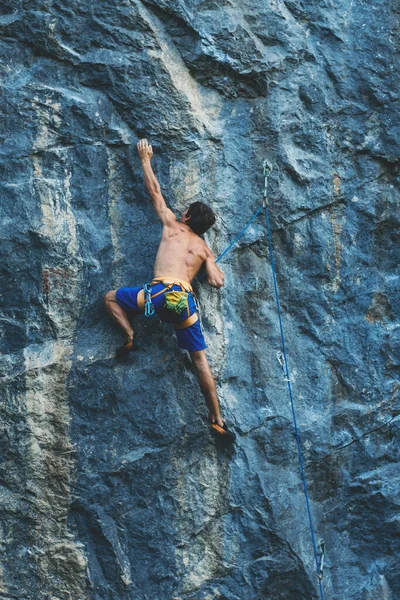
(282, 360)
(175, 300)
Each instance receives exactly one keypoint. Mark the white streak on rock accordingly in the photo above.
(47, 367)
(204, 104)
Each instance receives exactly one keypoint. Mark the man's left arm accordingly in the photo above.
(215, 277)
(165, 215)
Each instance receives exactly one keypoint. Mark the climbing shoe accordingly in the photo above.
(222, 432)
(126, 348)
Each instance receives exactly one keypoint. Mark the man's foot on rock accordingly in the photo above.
(222, 432)
(126, 348)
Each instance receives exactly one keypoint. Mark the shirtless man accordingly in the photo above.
(180, 255)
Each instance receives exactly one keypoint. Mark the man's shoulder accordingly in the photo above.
(207, 249)
(202, 249)
(169, 218)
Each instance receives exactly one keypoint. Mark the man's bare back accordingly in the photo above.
(181, 252)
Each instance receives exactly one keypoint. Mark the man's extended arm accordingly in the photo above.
(153, 187)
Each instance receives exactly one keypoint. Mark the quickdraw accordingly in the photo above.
(267, 171)
(322, 554)
(149, 309)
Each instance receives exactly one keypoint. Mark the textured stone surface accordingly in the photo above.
(111, 488)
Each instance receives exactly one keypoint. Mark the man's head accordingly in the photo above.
(199, 217)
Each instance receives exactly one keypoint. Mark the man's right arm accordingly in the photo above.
(214, 276)
(165, 215)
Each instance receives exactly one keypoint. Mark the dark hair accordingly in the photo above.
(201, 217)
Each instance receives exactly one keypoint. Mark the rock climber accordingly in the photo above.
(169, 294)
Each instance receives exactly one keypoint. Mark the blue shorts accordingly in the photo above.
(191, 338)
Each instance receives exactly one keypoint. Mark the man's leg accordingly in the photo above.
(207, 384)
(118, 313)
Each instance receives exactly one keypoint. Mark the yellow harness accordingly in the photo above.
(175, 298)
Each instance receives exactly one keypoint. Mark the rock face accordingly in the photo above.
(111, 488)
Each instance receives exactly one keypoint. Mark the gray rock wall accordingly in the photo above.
(111, 488)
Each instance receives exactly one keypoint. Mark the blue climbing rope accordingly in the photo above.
(287, 377)
(267, 169)
(239, 235)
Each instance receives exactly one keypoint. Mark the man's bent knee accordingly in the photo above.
(110, 296)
